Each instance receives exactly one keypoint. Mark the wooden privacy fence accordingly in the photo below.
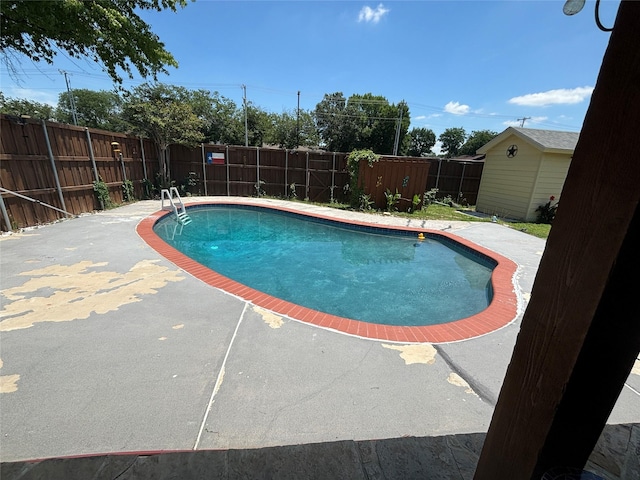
(318, 176)
(57, 164)
(250, 171)
(405, 176)
(457, 178)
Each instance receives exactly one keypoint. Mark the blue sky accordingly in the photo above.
(472, 64)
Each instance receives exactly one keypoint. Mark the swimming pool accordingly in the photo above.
(365, 280)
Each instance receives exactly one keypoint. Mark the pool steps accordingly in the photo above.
(175, 203)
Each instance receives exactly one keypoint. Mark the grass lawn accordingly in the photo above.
(536, 229)
(437, 211)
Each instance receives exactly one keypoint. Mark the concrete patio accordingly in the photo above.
(108, 347)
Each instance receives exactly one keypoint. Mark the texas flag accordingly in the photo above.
(215, 158)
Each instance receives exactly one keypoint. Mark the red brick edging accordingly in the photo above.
(502, 310)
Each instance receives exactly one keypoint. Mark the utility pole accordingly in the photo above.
(72, 102)
(397, 141)
(298, 122)
(246, 129)
(522, 120)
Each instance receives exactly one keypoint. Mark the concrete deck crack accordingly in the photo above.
(218, 383)
(483, 392)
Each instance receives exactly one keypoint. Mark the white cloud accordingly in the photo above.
(527, 122)
(561, 96)
(538, 119)
(368, 14)
(511, 123)
(456, 109)
(420, 117)
(33, 95)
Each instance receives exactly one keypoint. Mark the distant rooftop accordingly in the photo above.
(551, 139)
(545, 140)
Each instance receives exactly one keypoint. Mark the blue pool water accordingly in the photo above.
(386, 278)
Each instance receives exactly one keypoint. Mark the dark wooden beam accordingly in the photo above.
(580, 333)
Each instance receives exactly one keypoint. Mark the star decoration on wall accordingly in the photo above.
(512, 151)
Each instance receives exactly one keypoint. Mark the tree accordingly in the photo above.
(421, 141)
(335, 127)
(107, 31)
(219, 115)
(259, 125)
(19, 107)
(163, 113)
(376, 122)
(362, 122)
(477, 139)
(95, 109)
(452, 139)
(291, 130)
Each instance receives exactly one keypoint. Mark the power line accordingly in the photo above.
(522, 120)
(72, 101)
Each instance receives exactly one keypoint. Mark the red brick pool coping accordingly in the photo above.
(502, 310)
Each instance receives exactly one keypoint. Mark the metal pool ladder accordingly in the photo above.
(174, 202)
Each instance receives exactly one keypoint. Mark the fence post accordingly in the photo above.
(228, 161)
(286, 171)
(204, 170)
(258, 169)
(438, 176)
(306, 195)
(53, 165)
(93, 162)
(464, 165)
(124, 172)
(333, 175)
(144, 160)
(91, 156)
(5, 215)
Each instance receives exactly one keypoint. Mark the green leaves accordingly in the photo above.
(452, 139)
(163, 113)
(18, 107)
(421, 141)
(94, 109)
(477, 139)
(364, 121)
(107, 31)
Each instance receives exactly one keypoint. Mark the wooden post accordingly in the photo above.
(306, 189)
(5, 214)
(580, 333)
(53, 166)
(227, 159)
(333, 175)
(144, 160)
(286, 170)
(204, 170)
(91, 156)
(258, 171)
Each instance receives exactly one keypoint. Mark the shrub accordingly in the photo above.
(547, 212)
(392, 200)
(353, 167)
(128, 191)
(415, 202)
(102, 193)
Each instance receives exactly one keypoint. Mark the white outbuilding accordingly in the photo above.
(523, 169)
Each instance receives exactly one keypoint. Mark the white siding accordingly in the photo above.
(507, 183)
(550, 182)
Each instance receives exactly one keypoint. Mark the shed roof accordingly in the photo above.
(545, 140)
